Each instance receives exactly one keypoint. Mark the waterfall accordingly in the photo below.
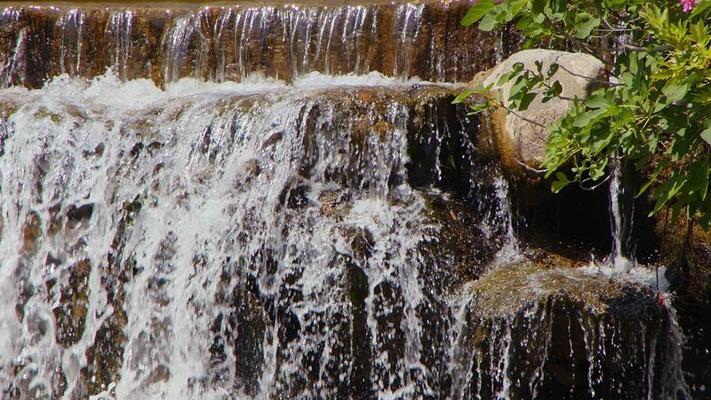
(238, 42)
(281, 201)
(258, 238)
(620, 222)
(120, 31)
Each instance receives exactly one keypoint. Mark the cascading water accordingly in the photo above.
(260, 240)
(240, 207)
(238, 41)
(620, 222)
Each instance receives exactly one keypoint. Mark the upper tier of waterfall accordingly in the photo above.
(234, 42)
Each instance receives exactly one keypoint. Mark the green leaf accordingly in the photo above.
(512, 8)
(675, 92)
(584, 25)
(705, 221)
(706, 135)
(462, 96)
(560, 182)
(538, 6)
(667, 191)
(525, 100)
(478, 107)
(698, 178)
(700, 8)
(597, 101)
(477, 11)
(585, 118)
(516, 70)
(553, 69)
(488, 23)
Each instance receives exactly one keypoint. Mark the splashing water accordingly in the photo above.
(214, 239)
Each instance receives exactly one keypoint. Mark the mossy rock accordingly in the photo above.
(537, 330)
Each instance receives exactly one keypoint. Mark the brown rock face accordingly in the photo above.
(235, 42)
(687, 249)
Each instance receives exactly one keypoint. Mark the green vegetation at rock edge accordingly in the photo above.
(654, 111)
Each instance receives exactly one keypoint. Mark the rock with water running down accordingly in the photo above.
(550, 332)
(687, 252)
(237, 42)
(304, 236)
(520, 136)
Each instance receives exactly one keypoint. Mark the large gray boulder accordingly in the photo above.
(520, 137)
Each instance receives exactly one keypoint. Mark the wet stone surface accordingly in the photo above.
(232, 43)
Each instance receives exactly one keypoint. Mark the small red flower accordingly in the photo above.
(687, 5)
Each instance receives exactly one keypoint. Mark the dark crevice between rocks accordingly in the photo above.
(576, 222)
(442, 149)
(360, 386)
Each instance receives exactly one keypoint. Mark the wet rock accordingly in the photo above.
(104, 356)
(441, 139)
(361, 241)
(555, 332)
(250, 170)
(521, 136)
(554, 221)
(461, 243)
(335, 203)
(219, 43)
(443, 146)
(273, 139)
(31, 232)
(76, 214)
(693, 320)
(70, 316)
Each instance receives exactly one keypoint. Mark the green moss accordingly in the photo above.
(508, 290)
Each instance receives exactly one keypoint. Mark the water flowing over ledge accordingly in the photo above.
(400, 39)
(269, 202)
(211, 235)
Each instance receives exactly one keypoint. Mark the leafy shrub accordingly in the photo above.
(653, 113)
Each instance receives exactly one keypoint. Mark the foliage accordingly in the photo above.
(656, 113)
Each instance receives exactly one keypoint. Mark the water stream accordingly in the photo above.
(236, 42)
(264, 225)
(620, 222)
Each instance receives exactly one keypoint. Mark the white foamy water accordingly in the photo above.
(215, 240)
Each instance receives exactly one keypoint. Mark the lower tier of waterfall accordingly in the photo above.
(335, 237)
